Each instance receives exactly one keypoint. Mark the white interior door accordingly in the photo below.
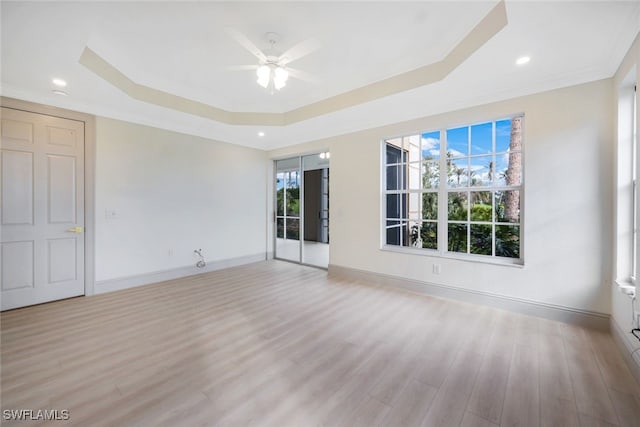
(42, 211)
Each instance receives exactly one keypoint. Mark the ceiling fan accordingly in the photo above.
(273, 68)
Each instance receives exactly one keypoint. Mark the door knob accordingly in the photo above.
(76, 230)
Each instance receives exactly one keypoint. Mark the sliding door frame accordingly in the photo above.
(300, 208)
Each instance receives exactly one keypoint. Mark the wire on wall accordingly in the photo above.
(200, 263)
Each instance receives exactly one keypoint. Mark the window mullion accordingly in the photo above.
(442, 195)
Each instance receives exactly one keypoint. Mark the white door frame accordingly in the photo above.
(89, 175)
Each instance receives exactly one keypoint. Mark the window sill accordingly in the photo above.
(627, 287)
(506, 262)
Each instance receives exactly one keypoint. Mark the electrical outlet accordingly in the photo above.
(436, 269)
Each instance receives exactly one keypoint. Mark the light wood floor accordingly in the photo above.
(276, 344)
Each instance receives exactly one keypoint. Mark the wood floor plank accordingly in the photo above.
(627, 407)
(472, 420)
(411, 405)
(555, 380)
(590, 391)
(527, 333)
(489, 391)
(354, 391)
(557, 412)
(614, 370)
(522, 404)
(369, 413)
(449, 405)
(590, 421)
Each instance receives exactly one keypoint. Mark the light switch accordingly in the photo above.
(110, 214)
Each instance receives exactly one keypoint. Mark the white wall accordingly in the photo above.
(568, 143)
(173, 193)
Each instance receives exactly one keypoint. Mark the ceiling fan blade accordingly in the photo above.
(246, 43)
(298, 51)
(242, 67)
(302, 75)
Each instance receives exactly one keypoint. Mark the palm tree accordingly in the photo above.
(514, 170)
(458, 172)
(431, 175)
(449, 167)
(473, 179)
(457, 206)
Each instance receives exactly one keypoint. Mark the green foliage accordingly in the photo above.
(457, 206)
(508, 241)
(427, 235)
(431, 175)
(293, 193)
(429, 205)
(507, 238)
(457, 238)
(293, 201)
(288, 227)
(481, 212)
(280, 202)
(481, 238)
(293, 229)
(280, 228)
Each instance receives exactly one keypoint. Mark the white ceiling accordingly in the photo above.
(184, 48)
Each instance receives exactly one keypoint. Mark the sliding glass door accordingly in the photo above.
(302, 209)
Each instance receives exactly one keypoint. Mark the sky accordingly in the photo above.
(479, 146)
(481, 139)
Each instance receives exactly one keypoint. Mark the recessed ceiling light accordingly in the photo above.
(523, 60)
(60, 92)
(260, 134)
(59, 82)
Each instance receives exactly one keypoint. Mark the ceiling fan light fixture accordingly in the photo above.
(271, 71)
(264, 73)
(280, 76)
(59, 82)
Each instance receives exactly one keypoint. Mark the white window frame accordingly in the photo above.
(634, 188)
(443, 191)
(626, 188)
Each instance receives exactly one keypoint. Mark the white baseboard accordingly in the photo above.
(584, 318)
(120, 283)
(626, 343)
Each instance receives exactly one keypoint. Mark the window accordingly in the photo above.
(634, 190)
(626, 195)
(474, 207)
